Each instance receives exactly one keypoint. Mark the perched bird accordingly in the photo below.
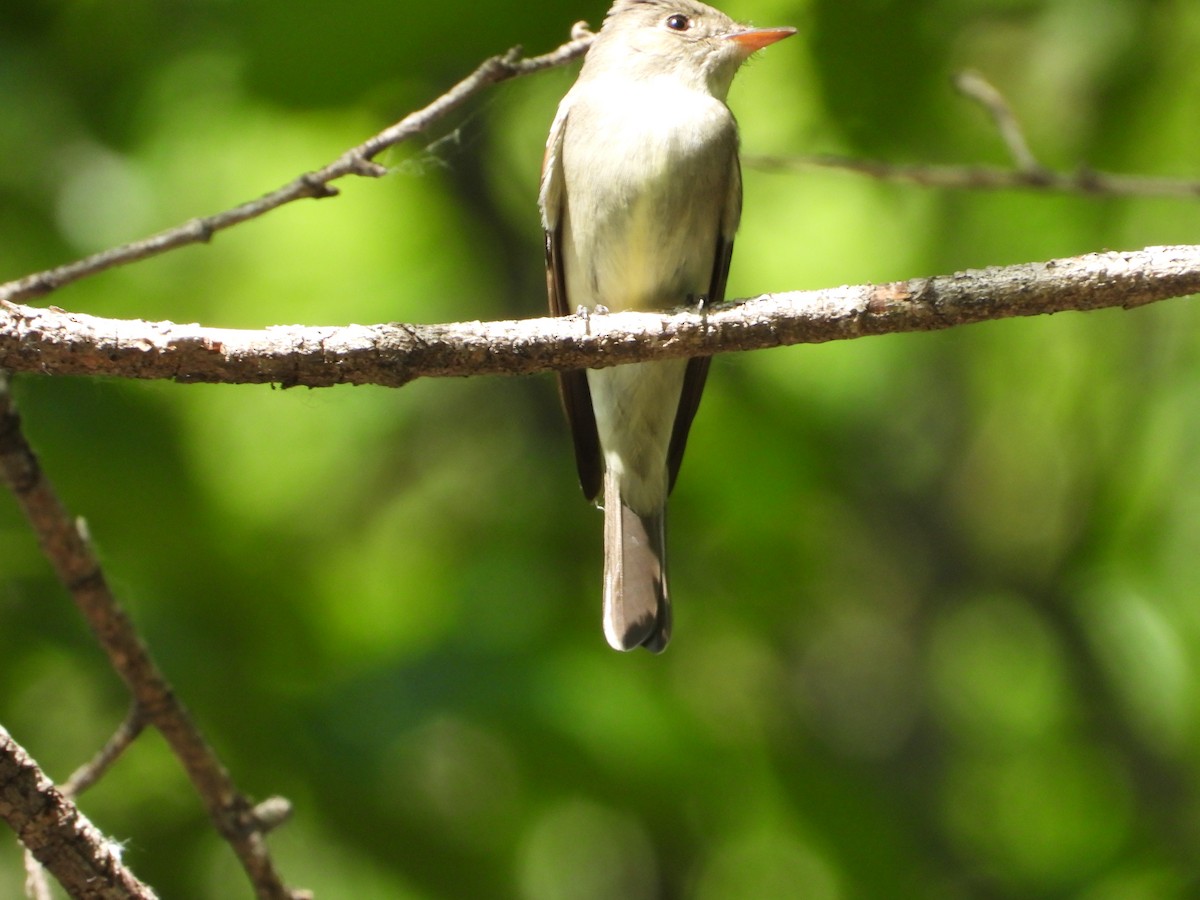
(641, 194)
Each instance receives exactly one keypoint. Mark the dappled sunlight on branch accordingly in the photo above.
(53, 341)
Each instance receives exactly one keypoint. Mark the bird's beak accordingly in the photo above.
(753, 39)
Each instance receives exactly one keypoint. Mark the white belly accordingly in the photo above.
(635, 409)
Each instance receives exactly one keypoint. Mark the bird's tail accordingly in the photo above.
(637, 607)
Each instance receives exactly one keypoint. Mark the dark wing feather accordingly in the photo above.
(697, 370)
(573, 385)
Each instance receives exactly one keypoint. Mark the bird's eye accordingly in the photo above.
(679, 23)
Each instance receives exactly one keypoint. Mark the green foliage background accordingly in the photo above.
(937, 630)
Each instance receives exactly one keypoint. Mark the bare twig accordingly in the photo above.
(976, 87)
(58, 342)
(62, 839)
(318, 184)
(36, 885)
(1028, 174)
(988, 178)
(93, 770)
(65, 544)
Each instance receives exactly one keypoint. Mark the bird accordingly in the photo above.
(640, 197)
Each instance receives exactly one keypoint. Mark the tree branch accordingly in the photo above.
(975, 87)
(37, 886)
(1027, 174)
(988, 178)
(65, 544)
(57, 342)
(317, 185)
(59, 836)
(95, 768)
(53, 341)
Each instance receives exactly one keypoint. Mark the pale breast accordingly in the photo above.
(646, 169)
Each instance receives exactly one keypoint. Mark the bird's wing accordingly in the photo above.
(573, 385)
(697, 370)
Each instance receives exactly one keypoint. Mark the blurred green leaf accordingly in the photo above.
(936, 631)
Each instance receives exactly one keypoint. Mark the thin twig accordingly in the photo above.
(1027, 174)
(65, 544)
(93, 770)
(974, 86)
(318, 184)
(59, 836)
(58, 342)
(988, 178)
(36, 885)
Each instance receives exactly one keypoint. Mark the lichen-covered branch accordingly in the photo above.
(52, 341)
